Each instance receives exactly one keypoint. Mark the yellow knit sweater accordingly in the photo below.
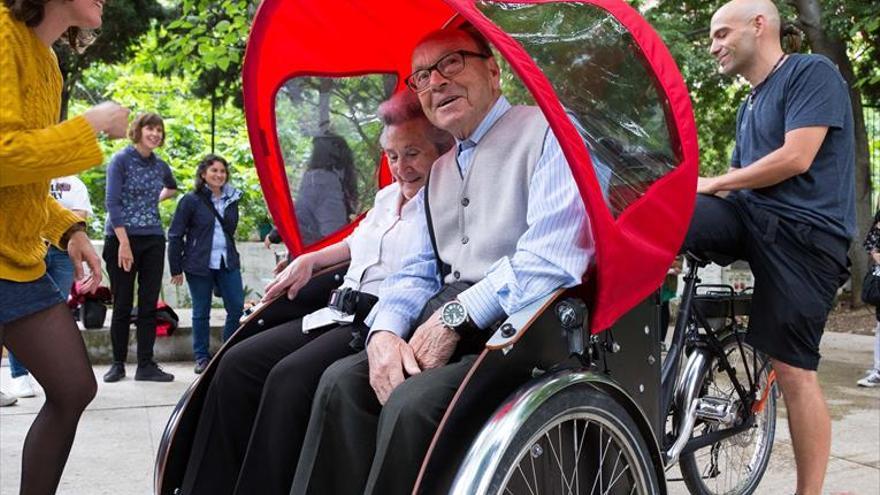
(34, 148)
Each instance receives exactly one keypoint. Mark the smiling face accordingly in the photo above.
(84, 14)
(215, 176)
(151, 137)
(410, 154)
(733, 41)
(457, 104)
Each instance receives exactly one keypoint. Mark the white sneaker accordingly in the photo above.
(7, 400)
(871, 380)
(22, 387)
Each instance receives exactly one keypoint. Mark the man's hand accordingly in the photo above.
(124, 256)
(177, 279)
(79, 249)
(433, 343)
(291, 279)
(389, 356)
(707, 185)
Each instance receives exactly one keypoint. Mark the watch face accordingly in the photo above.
(453, 314)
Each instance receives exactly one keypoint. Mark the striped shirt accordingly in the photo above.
(556, 218)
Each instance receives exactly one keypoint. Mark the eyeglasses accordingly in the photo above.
(448, 66)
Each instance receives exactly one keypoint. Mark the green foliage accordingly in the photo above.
(187, 125)
(206, 42)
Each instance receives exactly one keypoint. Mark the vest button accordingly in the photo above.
(464, 240)
(456, 274)
(465, 202)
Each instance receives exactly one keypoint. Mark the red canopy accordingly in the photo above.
(634, 248)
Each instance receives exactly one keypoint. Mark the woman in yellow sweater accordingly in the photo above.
(34, 321)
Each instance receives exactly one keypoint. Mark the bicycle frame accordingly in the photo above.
(680, 396)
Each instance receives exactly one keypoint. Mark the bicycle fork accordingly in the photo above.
(686, 402)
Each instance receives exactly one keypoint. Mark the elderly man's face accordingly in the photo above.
(457, 104)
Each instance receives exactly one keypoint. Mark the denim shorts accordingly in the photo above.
(20, 299)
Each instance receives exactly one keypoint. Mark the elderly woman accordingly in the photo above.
(258, 404)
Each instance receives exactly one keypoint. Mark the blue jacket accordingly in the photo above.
(191, 234)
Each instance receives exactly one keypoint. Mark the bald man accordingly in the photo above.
(788, 209)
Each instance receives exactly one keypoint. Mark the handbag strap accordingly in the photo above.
(210, 206)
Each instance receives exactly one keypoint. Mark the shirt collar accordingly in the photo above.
(498, 109)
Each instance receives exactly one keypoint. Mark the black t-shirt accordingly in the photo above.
(805, 91)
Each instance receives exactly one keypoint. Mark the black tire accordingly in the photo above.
(596, 419)
(736, 464)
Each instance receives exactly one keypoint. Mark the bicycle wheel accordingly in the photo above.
(734, 465)
(580, 441)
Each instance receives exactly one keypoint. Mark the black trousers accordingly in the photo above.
(149, 262)
(797, 269)
(354, 445)
(255, 414)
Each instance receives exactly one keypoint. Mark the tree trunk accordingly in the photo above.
(822, 42)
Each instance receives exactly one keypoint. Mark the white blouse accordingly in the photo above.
(379, 244)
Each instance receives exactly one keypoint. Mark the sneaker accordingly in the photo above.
(115, 373)
(151, 372)
(871, 380)
(7, 400)
(22, 387)
(201, 364)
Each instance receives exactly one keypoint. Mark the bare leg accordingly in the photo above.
(50, 345)
(809, 423)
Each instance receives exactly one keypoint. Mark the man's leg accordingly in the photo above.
(809, 423)
(283, 416)
(341, 437)
(715, 228)
(407, 425)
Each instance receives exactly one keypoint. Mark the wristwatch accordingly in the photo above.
(454, 316)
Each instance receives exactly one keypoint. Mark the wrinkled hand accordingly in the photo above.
(433, 343)
(108, 117)
(177, 279)
(291, 279)
(281, 265)
(389, 357)
(125, 258)
(79, 249)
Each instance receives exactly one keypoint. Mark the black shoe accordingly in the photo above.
(115, 373)
(151, 372)
(201, 364)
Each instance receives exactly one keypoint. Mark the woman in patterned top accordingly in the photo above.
(134, 246)
(872, 245)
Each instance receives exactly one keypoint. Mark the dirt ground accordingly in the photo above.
(845, 319)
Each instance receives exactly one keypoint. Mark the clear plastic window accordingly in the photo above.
(329, 137)
(603, 81)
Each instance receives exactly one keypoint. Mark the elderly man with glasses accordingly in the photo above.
(504, 226)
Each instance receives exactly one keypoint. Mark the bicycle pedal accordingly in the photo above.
(716, 409)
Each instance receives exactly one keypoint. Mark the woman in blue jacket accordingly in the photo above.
(201, 244)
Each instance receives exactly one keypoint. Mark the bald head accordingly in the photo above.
(745, 38)
(745, 11)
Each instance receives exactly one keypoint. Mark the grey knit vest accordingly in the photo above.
(479, 219)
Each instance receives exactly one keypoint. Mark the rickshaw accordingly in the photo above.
(571, 393)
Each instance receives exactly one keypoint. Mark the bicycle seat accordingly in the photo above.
(703, 258)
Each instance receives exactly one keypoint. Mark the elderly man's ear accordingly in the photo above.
(495, 72)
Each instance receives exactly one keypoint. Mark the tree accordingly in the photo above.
(124, 22)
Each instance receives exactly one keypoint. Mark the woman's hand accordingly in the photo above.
(79, 249)
(124, 257)
(292, 278)
(177, 279)
(875, 255)
(109, 117)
